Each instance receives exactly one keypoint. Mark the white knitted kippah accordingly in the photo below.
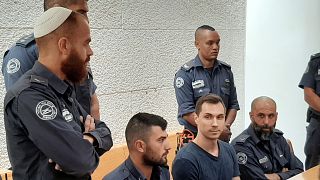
(50, 20)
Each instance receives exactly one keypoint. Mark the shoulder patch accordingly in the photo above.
(39, 80)
(224, 64)
(13, 66)
(46, 110)
(242, 138)
(25, 40)
(187, 66)
(242, 158)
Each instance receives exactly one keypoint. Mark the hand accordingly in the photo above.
(226, 134)
(285, 170)
(89, 124)
(56, 167)
(273, 176)
(88, 138)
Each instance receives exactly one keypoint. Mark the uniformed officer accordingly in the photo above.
(203, 75)
(310, 82)
(22, 55)
(262, 151)
(148, 146)
(46, 136)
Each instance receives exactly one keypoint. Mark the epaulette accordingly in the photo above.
(277, 131)
(25, 40)
(242, 138)
(315, 56)
(39, 80)
(225, 64)
(187, 66)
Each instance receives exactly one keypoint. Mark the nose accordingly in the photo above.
(167, 145)
(266, 120)
(90, 52)
(215, 46)
(214, 122)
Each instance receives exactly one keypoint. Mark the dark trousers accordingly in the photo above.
(312, 145)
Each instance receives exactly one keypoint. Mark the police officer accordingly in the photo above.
(203, 75)
(310, 82)
(262, 151)
(21, 57)
(49, 135)
(148, 147)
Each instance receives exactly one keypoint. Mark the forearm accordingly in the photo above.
(190, 118)
(95, 111)
(231, 116)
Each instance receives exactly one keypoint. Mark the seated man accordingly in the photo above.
(148, 145)
(262, 151)
(207, 157)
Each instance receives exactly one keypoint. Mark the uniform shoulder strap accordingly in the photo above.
(241, 138)
(188, 65)
(25, 40)
(315, 56)
(38, 80)
(225, 64)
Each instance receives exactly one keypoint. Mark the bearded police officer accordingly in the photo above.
(262, 151)
(310, 83)
(203, 75)
(22, 55)
(49, 135)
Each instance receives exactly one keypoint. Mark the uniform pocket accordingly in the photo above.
(200, 92)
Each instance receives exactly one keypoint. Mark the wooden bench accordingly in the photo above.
(6, 174)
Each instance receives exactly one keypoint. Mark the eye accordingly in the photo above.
(261, 115)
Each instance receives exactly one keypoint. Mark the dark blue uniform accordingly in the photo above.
(193, 81)
(256, 157)
(311, 79)
(127, 171)
(194, 163)
(42, 121)
(21, 57)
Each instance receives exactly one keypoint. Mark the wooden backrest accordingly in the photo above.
(6, 174)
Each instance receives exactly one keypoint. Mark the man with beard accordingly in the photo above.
(262, 151)
(203, 75)
(24, 53)
(148, 146)
(46, 136)
(207, 157)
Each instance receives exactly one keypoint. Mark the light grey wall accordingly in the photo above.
(138, 46)
(281, 36)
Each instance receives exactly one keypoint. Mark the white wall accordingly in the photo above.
(138, 46)
(280, 37)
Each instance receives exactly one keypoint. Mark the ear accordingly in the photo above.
(140, 146)
(196, 119)
(64, 46)
(251, 116)
(196, 43)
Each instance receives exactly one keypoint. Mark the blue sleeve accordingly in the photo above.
(16, 61)
(92, 85)
(233, 100)
(307, 79)
(236, 171)
(184, 93)
(183, 169)
(54, 136)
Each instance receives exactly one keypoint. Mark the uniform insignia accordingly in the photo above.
(13, 66)
(179, 82)
(197, 84)
(318, 71)
(46, 110)
(227, 81)
(67, 115)
(187, 66)
(263, 160)
(242, 158)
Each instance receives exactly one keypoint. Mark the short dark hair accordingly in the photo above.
(209, 98)
(47, 4)
(203, 27)
(139, 126)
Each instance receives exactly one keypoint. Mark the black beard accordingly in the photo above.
(150, 162)
(263, 135)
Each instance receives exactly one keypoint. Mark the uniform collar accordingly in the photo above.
(198, 63)
(256, 139)
(56, 83)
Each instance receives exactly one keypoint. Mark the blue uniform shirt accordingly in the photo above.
(21, 57)
(193, 81)
(194, 163)
(42, 121)
(127, 171)
(257, 158)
